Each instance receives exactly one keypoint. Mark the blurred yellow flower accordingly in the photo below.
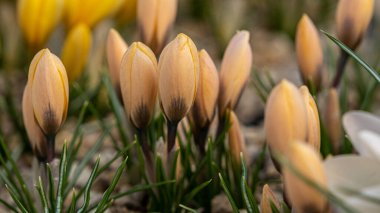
(76, 50)
(333, 118)
(49, 89)
(309, 52)
(37, 19)
(138, 82)
(155, 19)
(127, 11)
(267, 199)
(88, 12)
(236, 141)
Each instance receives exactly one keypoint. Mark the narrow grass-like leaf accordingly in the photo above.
(62, 180)
(73, 203)
(83, 163)
(16, 200)
(19, 178)
(228, 194)
(274, 207)
(116, 107)
(188, 208)
(248, 198)
(89, 183)
(42, 194)
(139, 188)
(105, 199)
(51, 186)
(366, 66)
(77, 127)
(196, 190)
(9, 206)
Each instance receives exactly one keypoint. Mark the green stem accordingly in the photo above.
(50, 148)
(342, 61)
(172, 133)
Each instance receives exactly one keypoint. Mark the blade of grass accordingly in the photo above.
(73, 203)
(228, 194)
(248, 198)
(105, 199)
(88, 187)
(9, 206)
(366, 66)
(42, 195)
(188, 208)
(18, 176)
(116, 107)
(51, 186)
(16, 200)
(196, 190)
(62, 180)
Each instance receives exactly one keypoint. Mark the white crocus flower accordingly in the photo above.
(355, 179)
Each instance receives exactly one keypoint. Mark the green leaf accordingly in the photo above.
(9, 206)
(51, 186)
(42, 194)
(228, 194)
(105, 199)
(88, 187)
(62, 179)
(16, 200)
(73, 203)
(366, 66)
(196, 190)
(248, 198)
(188, 208)
(116, 107)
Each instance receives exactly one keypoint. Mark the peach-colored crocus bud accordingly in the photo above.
(235, 70)
(116, 48)
(309, 52)
(49, 89)
(313, 126)
(138, 83)
(178, 77)
(285, 117)
(268, 199)
(352, 20)
(203, 110)
(76, 50)
(36, 136)
(155, 18)
(305, 161)
(37, 19)
(333, 121)
(236, 140)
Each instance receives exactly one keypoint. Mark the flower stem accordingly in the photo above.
(342, 61)
(50, 148)
(172, 132)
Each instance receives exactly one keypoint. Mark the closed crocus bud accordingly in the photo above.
(309, 52)
(235, 70)
(36, 136)
(268, 199)
(236, 140)
(37, 19)
(89, 12)
(138, 82)
(285, 117)
(177, 81)
(352, 20)
(313, 127)
(49, 89)
(178, 77)
(155, 18)
(203, 110)
(116, 47)
(333, 121)
(305, 162)
(76, 50)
